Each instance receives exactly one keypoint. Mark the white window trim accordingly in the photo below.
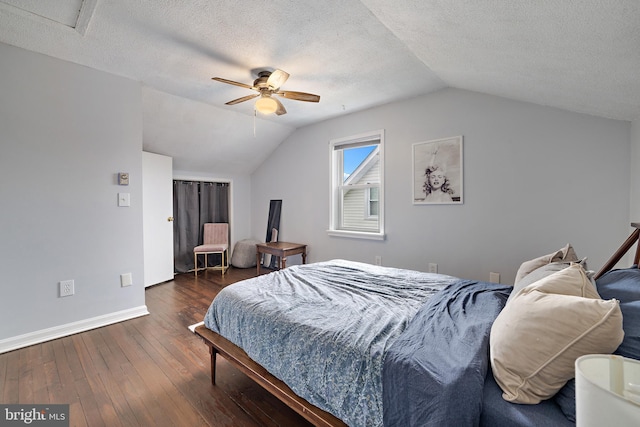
(334, 201)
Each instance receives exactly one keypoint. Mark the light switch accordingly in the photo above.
(124, 199)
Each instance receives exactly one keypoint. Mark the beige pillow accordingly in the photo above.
(565, 254)
(544, 271)
(537, 337)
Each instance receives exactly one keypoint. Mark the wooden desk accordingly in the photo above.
(281, 250)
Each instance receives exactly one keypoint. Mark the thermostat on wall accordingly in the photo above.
(123, 178)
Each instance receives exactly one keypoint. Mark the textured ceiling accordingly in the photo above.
(582, 56)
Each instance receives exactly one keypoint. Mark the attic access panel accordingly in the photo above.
(64, 12)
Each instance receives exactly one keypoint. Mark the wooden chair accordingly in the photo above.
(215, 241)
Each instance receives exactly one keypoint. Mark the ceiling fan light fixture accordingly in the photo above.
(266, 105)
(268, 84)
(277, 79)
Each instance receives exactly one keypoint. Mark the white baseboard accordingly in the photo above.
(48, 334)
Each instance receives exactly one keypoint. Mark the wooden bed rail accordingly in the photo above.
(238, 358)
(622, 250)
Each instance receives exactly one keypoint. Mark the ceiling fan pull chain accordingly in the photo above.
(255, 113)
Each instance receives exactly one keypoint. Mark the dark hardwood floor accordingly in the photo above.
(149, 371)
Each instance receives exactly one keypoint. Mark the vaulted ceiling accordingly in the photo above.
(582, 56)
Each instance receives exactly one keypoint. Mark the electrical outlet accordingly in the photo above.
(66, 288)
(494, 277)
(126, 279)
(378, 260)
(433, 267)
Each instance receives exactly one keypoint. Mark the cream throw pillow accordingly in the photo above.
(544, 271)
(537, 337)
(565, 254)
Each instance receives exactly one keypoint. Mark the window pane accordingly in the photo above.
(355, 160)
(373, 208)
(354, 211)
(373, 194)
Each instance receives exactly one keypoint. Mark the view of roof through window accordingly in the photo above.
(353, 157)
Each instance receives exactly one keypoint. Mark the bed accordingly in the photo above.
(347, 343)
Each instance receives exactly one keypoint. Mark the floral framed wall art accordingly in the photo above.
(437, 171)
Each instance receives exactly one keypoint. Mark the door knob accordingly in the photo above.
(170, 219)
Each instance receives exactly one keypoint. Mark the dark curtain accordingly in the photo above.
(194, 204)
(214, 202)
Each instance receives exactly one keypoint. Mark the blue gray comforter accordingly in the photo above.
(324, 328)
(434, 373)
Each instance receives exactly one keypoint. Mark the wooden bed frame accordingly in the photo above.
(238, 358)
(622, 250)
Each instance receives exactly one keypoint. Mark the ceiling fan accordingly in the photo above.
(268, 84)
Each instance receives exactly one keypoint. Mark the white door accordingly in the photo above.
(157, 217)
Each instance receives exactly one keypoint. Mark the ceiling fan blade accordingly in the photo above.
(277, 79)
(299, 96)
(281, 110)
(231, 82)
(244, 98)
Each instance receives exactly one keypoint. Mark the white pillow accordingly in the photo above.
(565, 254)
(537, 337)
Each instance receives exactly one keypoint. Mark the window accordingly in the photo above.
(372, 203)
(357, 191)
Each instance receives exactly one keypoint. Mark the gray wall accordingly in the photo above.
(65, 131)
(535, 178)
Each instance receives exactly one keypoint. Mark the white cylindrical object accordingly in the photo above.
(607, 391)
